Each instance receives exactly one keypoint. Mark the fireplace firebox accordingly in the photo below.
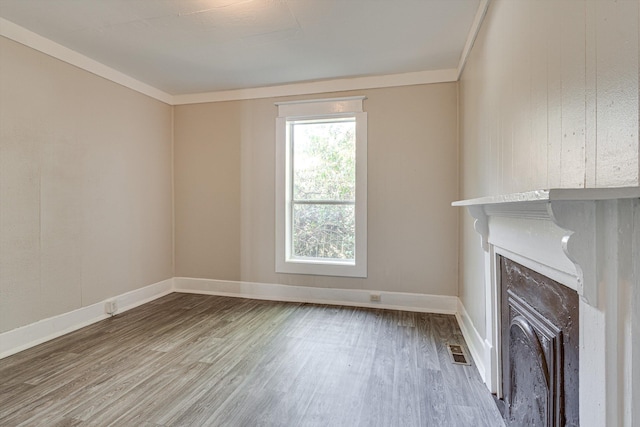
(539, 328)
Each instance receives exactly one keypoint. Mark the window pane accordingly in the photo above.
(324, 160)
(324, 231)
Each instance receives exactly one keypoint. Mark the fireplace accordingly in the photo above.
(581, 367)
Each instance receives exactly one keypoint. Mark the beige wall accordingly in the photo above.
(85, 188)
(548, 99)
(224, 191)
(207, 190)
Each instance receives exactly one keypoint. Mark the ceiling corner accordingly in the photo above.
(473, 34)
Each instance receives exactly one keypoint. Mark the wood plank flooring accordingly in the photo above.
(195, 360)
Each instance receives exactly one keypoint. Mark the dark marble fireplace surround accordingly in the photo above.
(561, 338)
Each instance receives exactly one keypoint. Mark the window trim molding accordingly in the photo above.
(310, 109)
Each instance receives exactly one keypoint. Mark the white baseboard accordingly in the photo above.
(22, 338)
(19, 339)
(348, 297)
(474, 340)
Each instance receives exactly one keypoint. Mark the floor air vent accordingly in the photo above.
(458, 355)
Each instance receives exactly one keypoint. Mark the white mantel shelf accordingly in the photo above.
(555, 194)
(576, 220)
(589, 241)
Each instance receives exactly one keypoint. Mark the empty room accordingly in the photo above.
(320, 213)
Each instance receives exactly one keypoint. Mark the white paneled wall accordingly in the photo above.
(549, 97)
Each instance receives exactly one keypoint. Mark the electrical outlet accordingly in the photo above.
(375, 297)
(110, 307)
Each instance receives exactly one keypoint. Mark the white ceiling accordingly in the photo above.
(195, 46)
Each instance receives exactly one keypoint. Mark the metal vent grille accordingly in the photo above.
(458, 354)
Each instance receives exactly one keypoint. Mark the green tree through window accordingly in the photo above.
(324, 184)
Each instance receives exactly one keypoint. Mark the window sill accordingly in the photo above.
(322, 268)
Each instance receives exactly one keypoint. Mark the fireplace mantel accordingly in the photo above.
(589, 241)
(579, 217)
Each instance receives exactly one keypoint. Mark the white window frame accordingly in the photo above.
(309, 110)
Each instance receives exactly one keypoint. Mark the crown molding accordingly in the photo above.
(473, 34)
(322, 86)
(30, 39)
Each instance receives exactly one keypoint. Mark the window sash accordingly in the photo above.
(290, 141)
(293, 236)
(324, 202)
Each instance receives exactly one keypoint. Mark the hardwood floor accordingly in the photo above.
(195, 360)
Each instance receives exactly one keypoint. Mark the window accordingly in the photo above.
(321, 187)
